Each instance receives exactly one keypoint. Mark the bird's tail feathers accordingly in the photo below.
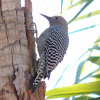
(32, 80)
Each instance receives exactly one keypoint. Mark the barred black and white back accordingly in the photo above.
(56, 46)
(51, 50)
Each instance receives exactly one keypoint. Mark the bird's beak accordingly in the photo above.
(47, 17)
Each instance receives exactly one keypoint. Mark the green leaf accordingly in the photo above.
(76, 4)
(82, 29)
(94, 59)
(88, 15)
(94, 47)
(61, 6)
(90, 74)
(96, 76)
(76, 89)
(83, 98)
(98, 40)
(95, 99)
(68, 4)
(78, 73)
(86, 5)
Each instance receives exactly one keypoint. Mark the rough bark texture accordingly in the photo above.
(17, 45)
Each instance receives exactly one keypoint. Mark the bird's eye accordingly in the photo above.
(56, 18)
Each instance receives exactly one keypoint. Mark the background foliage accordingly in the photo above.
(82, 87)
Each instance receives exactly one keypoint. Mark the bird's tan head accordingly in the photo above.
(56, 20)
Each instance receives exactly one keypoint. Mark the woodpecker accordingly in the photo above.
(52, 45)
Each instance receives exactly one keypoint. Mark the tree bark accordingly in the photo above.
(17, 48)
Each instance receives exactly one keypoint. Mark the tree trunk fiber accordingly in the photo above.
(17, 45)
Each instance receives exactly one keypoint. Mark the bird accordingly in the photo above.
(52, 45)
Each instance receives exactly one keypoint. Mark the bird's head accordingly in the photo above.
(56, 20)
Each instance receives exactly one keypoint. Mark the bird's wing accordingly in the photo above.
(41, 41)
(56, 46)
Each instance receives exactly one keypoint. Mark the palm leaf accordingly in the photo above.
(95, 59)
(61, 6)
(78, 73)
(84, 7)
(90, 74)
(96, 76)
(82, 29)
(68, 4)
(76, 4)
(87, 15)
(76, 89)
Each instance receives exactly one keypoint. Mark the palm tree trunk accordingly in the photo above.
(17, 45)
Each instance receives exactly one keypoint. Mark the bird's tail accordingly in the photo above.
(34, 82)
(36, 79)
